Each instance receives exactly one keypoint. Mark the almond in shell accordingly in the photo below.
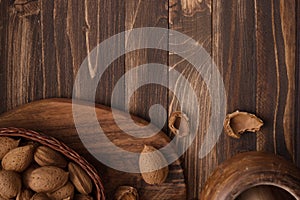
(7, 144)
(10, 184)
(80, 179)
(26, 175)
(25, 195)
(153, 166)
(67, 191)
(18, 159)
(45, 156)
(47, 179)
(40, 196)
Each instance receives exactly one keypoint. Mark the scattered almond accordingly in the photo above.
(153, 166)
(67, 191)
(10, 184)
(47, 179)
(18, 159)
(80, 179)
(45, 156)
(7, 144)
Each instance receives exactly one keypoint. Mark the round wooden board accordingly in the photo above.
(54, 117)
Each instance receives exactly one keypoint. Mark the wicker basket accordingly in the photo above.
(62, 148)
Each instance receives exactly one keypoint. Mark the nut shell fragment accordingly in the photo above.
(179, 124)
(238, 122)
(126, 193)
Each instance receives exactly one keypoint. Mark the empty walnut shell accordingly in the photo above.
(239, 122)
(126, 193)
(179, 124)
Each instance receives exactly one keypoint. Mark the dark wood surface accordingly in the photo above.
(195, 20)
(253, 44)
(297, 106)
(141, 13)
(54, 117)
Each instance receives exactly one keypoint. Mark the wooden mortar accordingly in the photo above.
(248, 170)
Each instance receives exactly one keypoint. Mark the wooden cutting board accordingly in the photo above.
(54, 117)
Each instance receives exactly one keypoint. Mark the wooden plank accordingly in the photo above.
(3, 53)
(22, 63)
(233, 36)
(192, 18)
(288, 28)
(275, 56)
(144, 14)
(70, 31)
(297, 101)
(111, 18)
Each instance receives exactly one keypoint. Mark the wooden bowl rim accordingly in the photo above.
(247, 170)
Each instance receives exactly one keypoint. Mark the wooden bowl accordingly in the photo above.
(265, 192)
(243, 173)
(63, 149)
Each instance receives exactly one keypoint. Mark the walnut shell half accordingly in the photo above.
(179, 124)
(238, 122)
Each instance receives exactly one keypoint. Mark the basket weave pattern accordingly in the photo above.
(63, 149)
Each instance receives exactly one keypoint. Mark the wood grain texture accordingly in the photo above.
(297, 101)
(140, 13)
(233, 46)
(45, 42)
(72, 29)
(255, 45)
(192, 18)
(22, 56)
(3, 53)
(275, 62)
(54, 117)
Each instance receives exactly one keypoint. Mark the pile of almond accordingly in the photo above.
(30, 171)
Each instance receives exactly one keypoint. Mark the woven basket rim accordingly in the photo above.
(60, 147)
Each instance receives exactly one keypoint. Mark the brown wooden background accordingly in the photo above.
(253, 42)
